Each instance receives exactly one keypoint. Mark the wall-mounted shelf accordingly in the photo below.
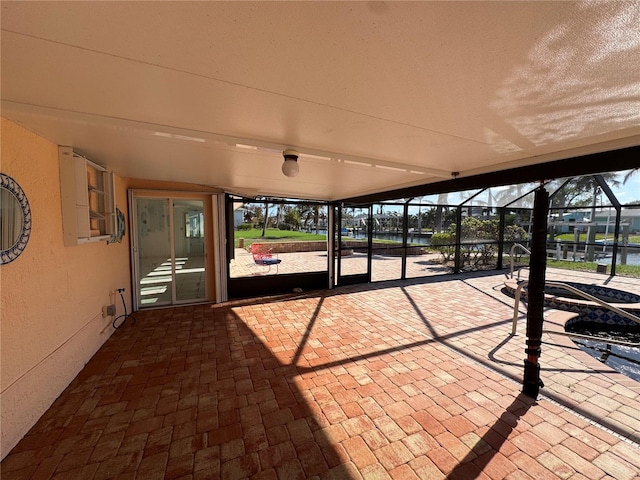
(88, 199)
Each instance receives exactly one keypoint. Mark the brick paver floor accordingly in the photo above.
(384, 267)
(394, 380)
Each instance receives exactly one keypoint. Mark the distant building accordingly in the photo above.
(238, 216)
(582, 218)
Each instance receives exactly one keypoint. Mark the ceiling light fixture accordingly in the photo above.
(290, 166)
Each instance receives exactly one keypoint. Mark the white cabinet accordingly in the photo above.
(88, 199)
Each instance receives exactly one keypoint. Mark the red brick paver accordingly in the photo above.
(404, 380)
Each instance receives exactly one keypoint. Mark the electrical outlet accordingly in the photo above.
(109, 310)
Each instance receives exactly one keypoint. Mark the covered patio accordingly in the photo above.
(398, 380)
(129, 127)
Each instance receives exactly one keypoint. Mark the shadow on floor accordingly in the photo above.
(184, 391)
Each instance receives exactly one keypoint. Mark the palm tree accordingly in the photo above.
(266, 218)
(443, 200)
(308, 214)
(630, 174)
(580, 190)
(589, 184)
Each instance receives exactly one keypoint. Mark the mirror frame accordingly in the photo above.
(9, 255)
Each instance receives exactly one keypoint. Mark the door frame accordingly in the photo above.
(209, 243)
(342, 279)
(261, 285)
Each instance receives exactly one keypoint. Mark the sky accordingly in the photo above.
(630, 191)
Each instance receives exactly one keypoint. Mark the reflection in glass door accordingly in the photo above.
(153, 252)
(188, 234)
(169, 251)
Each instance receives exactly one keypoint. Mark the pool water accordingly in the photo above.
(622, 358)
(599, 322)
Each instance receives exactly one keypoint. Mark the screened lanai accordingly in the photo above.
(385, 102)
(593, 225)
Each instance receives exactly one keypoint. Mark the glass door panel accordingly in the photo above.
(188, 234)
(153, 255)
(169, 251)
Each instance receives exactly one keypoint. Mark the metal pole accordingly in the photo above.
(502, 211)
(458, 260)
(369, 231)
(535, 294)
(616, 236)
(331, 244)
(340, 208)
(405, 230)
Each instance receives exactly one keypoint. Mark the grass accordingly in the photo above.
(569, 237)
(624, 270)
(275, 235)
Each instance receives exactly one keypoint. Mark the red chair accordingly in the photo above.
(262, 256)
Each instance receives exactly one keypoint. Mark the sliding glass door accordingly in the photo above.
(169, 251)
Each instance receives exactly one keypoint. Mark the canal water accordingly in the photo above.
(425, 239)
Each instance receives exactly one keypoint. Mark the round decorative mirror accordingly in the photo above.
(15, 219)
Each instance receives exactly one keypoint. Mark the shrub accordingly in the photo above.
(245, 226)
(443, 243)
(479, 240)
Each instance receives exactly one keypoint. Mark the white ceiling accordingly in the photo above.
(375, 95)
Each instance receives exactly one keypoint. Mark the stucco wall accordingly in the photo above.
(51, 296)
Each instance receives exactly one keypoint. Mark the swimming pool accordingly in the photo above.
(562, 299)
(622, 358)
(594, 320)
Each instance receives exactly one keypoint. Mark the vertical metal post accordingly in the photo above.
(616, 235)
(503, 211)
(535, 294)
(369, 227)
(405, 230)
(339, 207)
(458, 254)
(331, 244)
(616, 204)
(230, 228)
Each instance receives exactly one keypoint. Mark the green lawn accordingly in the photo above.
(625, 270)
(568, 237)
(275, 235)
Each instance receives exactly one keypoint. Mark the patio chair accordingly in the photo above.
(263, 256)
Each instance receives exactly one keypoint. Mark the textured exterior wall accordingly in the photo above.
(51, 295)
